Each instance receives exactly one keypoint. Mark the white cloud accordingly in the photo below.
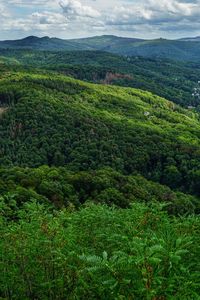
(153, 12)
(27, 2)
(74, 9)
(87, 17)
(4, 13)
(30, 2)
(124, 15)
(40, 23)
(48, 18)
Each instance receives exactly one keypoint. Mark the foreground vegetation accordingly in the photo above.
(99, 253)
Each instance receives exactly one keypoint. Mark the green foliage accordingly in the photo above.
(99, 253)
(60, 121)
(170, 79)
(62, 188)
(68, 149)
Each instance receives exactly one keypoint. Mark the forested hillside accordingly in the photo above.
(175, 81)
(99, 184)
(60, 121)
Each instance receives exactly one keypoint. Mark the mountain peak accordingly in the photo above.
(31, 37)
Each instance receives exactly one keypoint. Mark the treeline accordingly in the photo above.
(63, 188)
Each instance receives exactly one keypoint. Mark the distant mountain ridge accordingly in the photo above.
(191, 39)
(187, 49)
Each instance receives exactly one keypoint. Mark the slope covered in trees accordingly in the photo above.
(172, 80)
(61, 187)
(99, 187)
(61, 121)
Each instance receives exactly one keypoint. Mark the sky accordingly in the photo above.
(81, 18)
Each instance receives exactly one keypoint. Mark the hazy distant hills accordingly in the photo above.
(191, 39)
(187, 49)
(44, 43)
(107, 42)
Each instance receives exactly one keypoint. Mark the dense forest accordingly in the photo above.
(61, 121)
(99, 179)
(175, 81)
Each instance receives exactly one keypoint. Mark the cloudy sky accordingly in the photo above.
(80, 18)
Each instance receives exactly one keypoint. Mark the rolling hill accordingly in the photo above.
(185, 50)
(60, 121)
(175, 81)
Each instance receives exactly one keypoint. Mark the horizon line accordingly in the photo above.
(102, 35)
